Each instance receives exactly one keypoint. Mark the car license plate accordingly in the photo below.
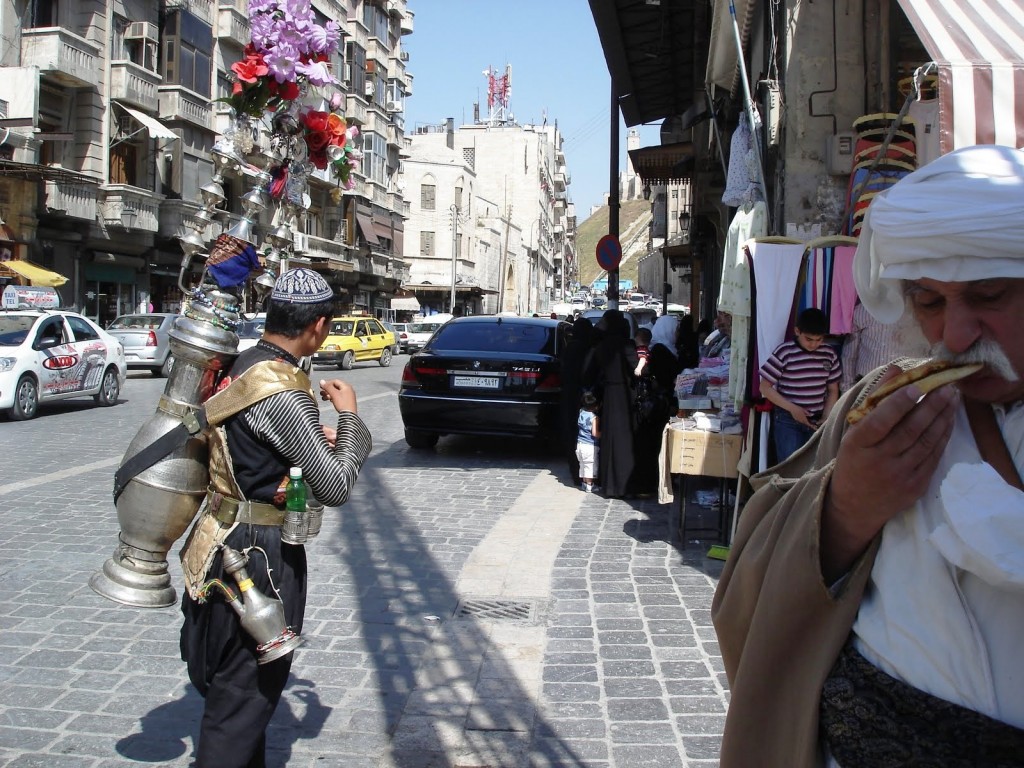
(476, 382)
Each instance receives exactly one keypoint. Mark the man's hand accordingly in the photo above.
(884, 465)
(800, 415)
(340, 393)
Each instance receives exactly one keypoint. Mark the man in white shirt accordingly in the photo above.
(847, 647)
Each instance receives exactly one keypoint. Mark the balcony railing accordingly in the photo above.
(355, 110)
(130, 207)
(334, 253)
(61, 56)
(74, 199)
(179, 103)
(406, 25)
(201, 8)
(233, 22)
(178, 218)
(134, 85)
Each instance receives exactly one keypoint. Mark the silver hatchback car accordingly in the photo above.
(145, 338)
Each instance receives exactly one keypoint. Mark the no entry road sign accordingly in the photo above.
(609, 252)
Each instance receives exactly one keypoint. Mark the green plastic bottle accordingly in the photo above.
(295, 495)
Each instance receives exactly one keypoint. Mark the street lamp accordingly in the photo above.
(455, 251)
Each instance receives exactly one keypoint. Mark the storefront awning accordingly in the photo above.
(33, 273)
(723, 58)
(366, 227)
(663, 163)
(980, 56)
(406, 303)
(157, 130)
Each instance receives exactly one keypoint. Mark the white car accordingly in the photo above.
(420, 331)
(48, 355)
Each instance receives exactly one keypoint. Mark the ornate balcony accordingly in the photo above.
(233, 22)
(355, 110)
(134, 85)
(177, 219)
(61, 56)
(75, 199)
(201, 8)
(130, 207)
(179, 103)
(335, 254)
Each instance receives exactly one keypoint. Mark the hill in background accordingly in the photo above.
(634, 219)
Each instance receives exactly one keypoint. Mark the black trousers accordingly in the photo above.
(241, 695)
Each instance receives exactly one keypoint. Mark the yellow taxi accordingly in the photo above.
(354, 339)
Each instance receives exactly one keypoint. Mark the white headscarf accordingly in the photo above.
(664, 333)
(959, 218)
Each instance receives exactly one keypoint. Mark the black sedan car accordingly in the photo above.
(485, 375)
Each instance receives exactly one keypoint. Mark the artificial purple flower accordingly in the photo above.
(281, 61)
(317, 72)
(324, 40)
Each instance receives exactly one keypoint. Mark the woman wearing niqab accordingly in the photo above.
(608, 372)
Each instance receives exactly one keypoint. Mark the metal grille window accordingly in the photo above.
(428, 197)
(426, 243)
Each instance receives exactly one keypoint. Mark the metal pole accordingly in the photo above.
(755, 140)
(455, 252)
(613, 197)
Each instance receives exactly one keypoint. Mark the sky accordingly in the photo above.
(558, 69)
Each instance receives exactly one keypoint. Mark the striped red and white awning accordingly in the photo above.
(978, 46)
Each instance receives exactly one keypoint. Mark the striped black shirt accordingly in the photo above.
(801, 376)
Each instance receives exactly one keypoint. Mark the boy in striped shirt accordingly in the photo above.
(801, 379)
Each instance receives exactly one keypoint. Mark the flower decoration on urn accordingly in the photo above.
(288, 50)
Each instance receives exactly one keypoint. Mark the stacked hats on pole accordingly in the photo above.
(877, 163)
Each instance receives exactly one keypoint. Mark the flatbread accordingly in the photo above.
(929, 376)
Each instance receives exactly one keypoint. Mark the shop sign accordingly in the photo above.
(30, 297)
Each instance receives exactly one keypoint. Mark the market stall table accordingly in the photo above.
(689, 452)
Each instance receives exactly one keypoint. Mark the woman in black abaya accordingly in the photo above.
(608, 372)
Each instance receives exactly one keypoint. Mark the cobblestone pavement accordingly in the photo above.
(467, 608)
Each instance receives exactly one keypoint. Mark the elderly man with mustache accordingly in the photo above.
(872, 607)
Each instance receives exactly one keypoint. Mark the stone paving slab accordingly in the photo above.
(619, 666)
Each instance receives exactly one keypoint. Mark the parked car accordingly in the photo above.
(643, 315)
(595, 315)
(48, 355)
(421, 331)
(401, 331)
(145, 338)
(393, 327)
(355, 339)
(485, 375)
(249, 332)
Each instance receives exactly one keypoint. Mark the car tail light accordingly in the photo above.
(409, 376)
(550, 383)
(151, 339)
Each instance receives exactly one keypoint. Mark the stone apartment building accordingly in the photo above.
(109, 112)
(488, 205)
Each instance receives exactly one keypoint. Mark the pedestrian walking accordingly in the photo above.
(588, 441)
(251, 454)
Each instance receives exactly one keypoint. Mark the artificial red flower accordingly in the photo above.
(250, 69)
(318, 159)
(317, 140)
(236, 88)
(315, 121)
(288, 91)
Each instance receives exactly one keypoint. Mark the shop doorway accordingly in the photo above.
(105, 301)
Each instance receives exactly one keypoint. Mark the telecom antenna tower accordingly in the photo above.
(499, 90)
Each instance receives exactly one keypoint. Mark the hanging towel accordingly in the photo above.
(844, 291)
(776, 271)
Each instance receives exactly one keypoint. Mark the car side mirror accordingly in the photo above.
(45, 342)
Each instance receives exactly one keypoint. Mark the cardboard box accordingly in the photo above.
(712, 454)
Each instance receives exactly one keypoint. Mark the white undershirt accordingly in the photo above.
(939, 627)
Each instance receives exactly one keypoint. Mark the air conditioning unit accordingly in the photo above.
(300, 242)
(370, 89)
(142, 30)
(393, 106)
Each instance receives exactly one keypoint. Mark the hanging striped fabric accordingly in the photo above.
(979, 48)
